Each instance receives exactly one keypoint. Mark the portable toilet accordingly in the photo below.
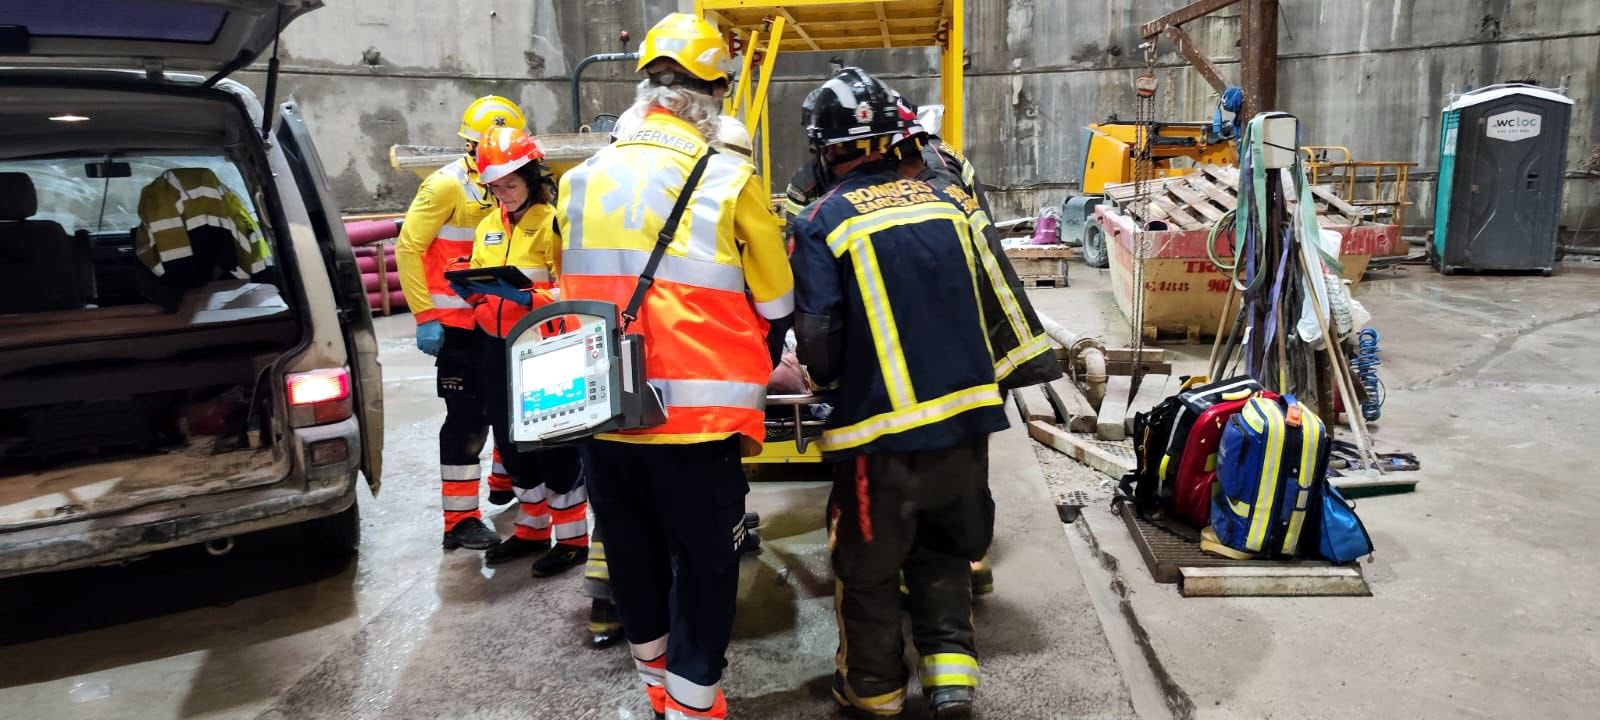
(1502, 155)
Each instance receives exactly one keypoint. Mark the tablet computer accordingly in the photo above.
(488, 276)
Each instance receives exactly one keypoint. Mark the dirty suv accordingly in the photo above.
(186, 352)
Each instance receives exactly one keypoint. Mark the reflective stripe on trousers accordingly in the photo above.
(947, 669)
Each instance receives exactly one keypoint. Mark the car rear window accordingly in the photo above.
(71, 199)
(148, 20)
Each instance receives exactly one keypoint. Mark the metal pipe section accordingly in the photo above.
(1087, 350)
(577, 78)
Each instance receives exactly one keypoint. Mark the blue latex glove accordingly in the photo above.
(430, 337)
(503, 289)
(462, 290)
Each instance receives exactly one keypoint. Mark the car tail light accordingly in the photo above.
(318, 397)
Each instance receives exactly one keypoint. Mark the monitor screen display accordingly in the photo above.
(553, 381)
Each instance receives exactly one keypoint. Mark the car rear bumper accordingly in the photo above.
(301, 496)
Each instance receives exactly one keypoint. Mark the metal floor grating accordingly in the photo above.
(1167, 548)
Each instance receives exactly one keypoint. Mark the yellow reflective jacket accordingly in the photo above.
(438, 229)
(184, 199)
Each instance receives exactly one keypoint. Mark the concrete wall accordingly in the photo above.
(1368, 74)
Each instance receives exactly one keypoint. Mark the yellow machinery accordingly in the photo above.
(1109, 158)
(760, 30)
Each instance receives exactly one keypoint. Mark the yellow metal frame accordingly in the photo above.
(1387, 180)
(774, 26)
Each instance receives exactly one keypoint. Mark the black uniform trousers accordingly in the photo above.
(674, 518)
(558, 469)
(930, 515)
(465, 427)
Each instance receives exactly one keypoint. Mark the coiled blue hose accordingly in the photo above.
(1365, 366)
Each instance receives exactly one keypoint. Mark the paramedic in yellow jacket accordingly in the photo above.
(438, 230)
(520, 233)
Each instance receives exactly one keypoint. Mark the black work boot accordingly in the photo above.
(512, 548)
(951, 702)
(471, 534)
(501, 497)
(559, 559)
(605, 625)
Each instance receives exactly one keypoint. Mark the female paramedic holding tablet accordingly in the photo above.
(521, 234)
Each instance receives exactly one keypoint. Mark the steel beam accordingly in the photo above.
(1198, 59)
(1258, 55)
(1196, 9)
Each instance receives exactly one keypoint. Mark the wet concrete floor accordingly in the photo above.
(409, 631)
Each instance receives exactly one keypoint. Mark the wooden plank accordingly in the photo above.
(1114, 408)
(1336, 203)
(1082, 451)
(1227, 176)
(1152, 390)
(1258, 581)
(1070, 405)
(1223, 196)
(1172, 209)
(1033, 404)
(1153, 355)
(1196, 201)
(1126, 368)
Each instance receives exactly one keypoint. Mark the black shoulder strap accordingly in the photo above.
(668, 229)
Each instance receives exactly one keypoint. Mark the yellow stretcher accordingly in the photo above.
(758, 30)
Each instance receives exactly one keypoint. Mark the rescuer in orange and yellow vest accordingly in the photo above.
(520, 234)
(671, 497)
(438, 230)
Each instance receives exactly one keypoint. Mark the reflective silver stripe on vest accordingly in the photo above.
(456, 233)
(442, 301)
(719, 186)
(536, 274)
(629, 263)
(711, 393)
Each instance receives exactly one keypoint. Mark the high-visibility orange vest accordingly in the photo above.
(704, 319)
(438, 230)
(528, 246)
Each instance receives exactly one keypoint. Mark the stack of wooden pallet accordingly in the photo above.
(1040, 265)
(1198, 200)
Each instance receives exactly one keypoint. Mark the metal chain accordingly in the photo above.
(1143, 172)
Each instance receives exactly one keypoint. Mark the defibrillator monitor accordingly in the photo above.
(574, 374)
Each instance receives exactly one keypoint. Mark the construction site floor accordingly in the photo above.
(1484, 583)
(409, 631)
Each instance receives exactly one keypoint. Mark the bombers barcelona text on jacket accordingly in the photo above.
(887, 304)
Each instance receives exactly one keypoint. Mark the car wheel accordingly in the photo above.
(336, 535)
(1094, 246)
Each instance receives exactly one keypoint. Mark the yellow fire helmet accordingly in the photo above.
(690, 41)
(488, 112)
